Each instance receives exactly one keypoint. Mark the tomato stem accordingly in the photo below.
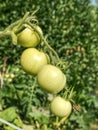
(30, 98)
(10, 27)
(22, 20)
(45, 41)
(5, 33)
(62, 120)
(51, 49)
(71, 93)
(19, 29)
(35, 11)
(14, 38)
(57, 124)
(14, 28)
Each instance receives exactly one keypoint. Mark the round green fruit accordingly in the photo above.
(29, 37)
(60, 107)
(33, 60)
(51, 79)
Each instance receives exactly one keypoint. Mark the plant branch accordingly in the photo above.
(23, 20)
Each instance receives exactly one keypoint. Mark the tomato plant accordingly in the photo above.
(51, 79)
(72, 47)
(33, 60)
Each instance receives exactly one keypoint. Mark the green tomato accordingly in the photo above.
(51, 79)
(28, 37)
(60, 107)
(33, 60)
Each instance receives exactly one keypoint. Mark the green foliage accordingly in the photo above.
(9, 112)
(72, 30)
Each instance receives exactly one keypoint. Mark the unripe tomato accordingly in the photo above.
(29, 38)
(51, 79)
(60, 107)
(33, 60)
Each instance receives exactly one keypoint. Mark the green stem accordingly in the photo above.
(10, 27)
(19, 29)
(18, 23)
(51, 49)
(14, 38)
(45, 41)
(22, 20)
(9, 31)
(57, 119)
(35, 11)
(30, 98)
(71, 93)
(62, 120)
(5, 33)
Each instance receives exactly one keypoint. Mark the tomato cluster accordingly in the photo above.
(49, 77)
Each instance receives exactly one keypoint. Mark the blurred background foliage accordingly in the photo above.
(72, 30)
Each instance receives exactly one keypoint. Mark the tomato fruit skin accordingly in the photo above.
(51, 79)
(33, 60)
(29, 38)
(60, 107)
